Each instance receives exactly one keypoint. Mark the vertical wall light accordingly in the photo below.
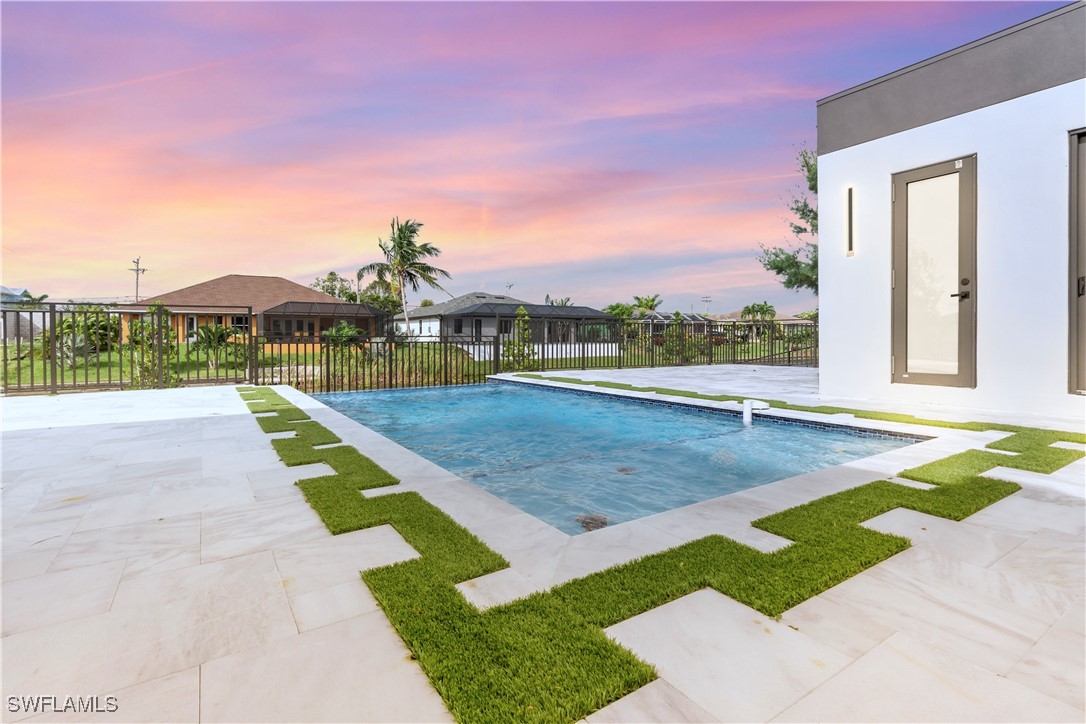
(851, 249)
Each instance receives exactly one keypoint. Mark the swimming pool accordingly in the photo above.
(576, 461)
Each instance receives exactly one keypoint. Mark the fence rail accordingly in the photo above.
(64, 347)
(54, 348)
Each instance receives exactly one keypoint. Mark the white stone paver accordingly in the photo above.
(906, 680)
(154, 548)
(371, 677)
(658, 701)
(497, 588)
(744, 667)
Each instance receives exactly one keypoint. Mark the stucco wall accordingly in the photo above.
(1022, 256)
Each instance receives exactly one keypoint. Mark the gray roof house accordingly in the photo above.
(478, 314)
(14, 322)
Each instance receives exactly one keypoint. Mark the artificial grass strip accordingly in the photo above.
(546, 657)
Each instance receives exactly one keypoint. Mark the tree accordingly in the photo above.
(336, 286)
(426, 303)
(797, 266)
(215, 341)
(29, 301)
(649, 304)
(556, 302)
(518, 352)
(404, 263)
(620, 310)
(344, 334)
(761, 314)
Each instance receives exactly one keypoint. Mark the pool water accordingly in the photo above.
(562, 456)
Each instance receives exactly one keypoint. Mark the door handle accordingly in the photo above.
(961, 295)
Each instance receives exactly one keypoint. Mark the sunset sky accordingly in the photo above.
(589, 150)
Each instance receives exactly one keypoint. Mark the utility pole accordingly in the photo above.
(138, 270)
(706, 300)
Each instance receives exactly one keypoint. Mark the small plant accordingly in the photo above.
(152, 348)
(216, 341)
(74, 348)
(344, 334)
(518, 351)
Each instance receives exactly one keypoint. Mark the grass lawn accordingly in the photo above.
(117, 367)
(546, 657)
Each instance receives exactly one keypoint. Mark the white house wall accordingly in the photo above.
(1022, 257)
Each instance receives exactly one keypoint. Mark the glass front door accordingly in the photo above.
(934, 275)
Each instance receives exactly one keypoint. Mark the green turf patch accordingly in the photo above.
(546, 657)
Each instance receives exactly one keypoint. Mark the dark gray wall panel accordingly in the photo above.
(1041, 53)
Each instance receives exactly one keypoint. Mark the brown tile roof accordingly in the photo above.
(242, 290)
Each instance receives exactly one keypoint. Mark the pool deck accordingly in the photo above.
(155, 549)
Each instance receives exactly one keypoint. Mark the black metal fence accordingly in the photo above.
(63, 347)
(53, 348)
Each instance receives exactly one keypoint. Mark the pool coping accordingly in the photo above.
(542, 556)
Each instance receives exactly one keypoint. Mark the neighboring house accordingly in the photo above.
(10, 295)
(478, 315)
(281, 309)
(17, 324)
(946, 192)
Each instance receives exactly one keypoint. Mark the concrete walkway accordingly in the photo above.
(156, 550)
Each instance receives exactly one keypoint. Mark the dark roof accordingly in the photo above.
(534, 311)
(458, 303)
(1032, 56)
(325, 309)
(652, 315)
(241, 290)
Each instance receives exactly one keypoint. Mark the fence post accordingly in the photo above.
(52, 348)
(584, 350)
(444, 355)
(497, 353)
(620, 339)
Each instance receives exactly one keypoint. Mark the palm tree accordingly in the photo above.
(404, 263)
(760, 313)
(556, 302)
(31, 301)
(649, 304)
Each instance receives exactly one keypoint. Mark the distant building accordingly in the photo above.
(15, 323)
(280, 308)
(479, 315)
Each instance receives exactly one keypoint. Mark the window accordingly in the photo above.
(506, 326)
(277, 326)
(240, 323)
(458, 326)
(218, 320)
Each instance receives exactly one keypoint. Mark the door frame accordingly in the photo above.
(1076, 138)
(966, 169)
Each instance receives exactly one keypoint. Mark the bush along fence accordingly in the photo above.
(58, 347)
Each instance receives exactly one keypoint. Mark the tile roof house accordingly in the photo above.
(478, 314)
(277, 308)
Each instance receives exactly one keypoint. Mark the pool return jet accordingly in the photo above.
(749, 406)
